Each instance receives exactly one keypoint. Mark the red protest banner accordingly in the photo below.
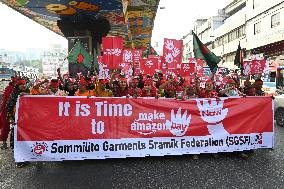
(252, 67)
(187, 69)
(149, 65)
(198, 66)
(220, 80)
(172, 52)
(98, 128)
(112, 51)
(132, 56)
(103, 69)
(127, 69)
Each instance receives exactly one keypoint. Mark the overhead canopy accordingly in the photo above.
(131, 19)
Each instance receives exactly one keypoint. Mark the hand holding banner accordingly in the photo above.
(99, 128)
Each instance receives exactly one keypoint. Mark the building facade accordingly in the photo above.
(54, 59)
(257, 25)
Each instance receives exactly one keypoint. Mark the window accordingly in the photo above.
(275, 20)
(241, 31)
(225, 40)
(233, 35)
(219, 41)
(230, 36)
(257, 28)
(256, 3)
(209, 24)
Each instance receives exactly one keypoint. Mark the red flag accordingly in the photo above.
(112, 51)
(172, 52)
(149, 66)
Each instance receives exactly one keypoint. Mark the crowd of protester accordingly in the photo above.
(157, 86)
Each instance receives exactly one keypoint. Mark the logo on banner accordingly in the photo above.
(169, 58)
(179, 122)
(115, 52)
(39, 148)
(149, 123)
(258, 139)
(127, 56)
(172, 52)
(149, 63)
(247, 69)
(186, 67)
(213, 113)
(103, 71)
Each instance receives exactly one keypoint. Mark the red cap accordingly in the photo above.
(230, 81)
(179, 88)
(54, 83)
(71, 80)
(133, 80)
(251, 89)
(122, 79)
(148, 81)
(83, 81)
(13, 79)
(187, 84)
(170, 87)
(162, 81)
(104, 81)
(21, 82)
(209, 81)
(258, 82)
(247, 82)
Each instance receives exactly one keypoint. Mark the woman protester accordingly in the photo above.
(19, 89)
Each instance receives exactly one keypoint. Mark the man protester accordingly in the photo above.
(54, 85)
(120, 87)
(133, 89)
(149, 89)
(258, 86)
(208, 92)
(230, 90)
(19, 89)
(102, 90)
(83, 89)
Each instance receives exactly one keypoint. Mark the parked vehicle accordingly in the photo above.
(6, 74)
(279, 109)
(269, 87)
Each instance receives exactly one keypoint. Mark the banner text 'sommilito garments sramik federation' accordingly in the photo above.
(76, 128)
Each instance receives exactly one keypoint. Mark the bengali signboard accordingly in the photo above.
(76, 128)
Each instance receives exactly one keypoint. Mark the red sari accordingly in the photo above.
(4, 122)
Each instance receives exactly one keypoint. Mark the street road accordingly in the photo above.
(265, 169)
